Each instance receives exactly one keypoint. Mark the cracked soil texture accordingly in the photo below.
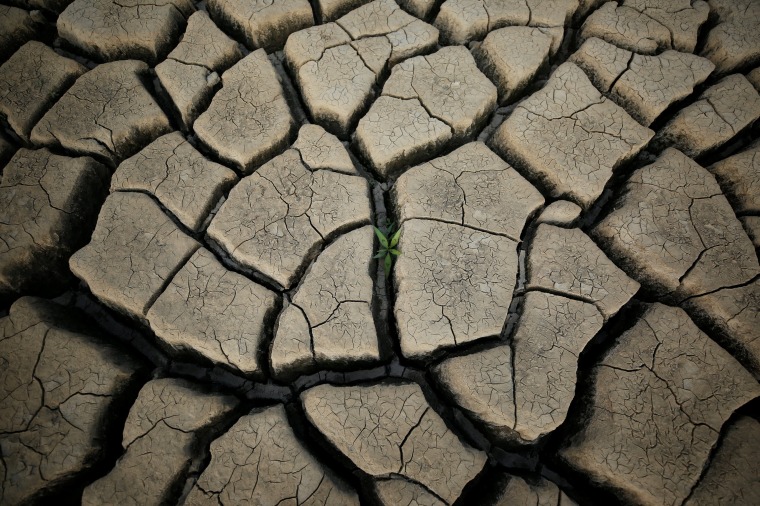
(380, 252)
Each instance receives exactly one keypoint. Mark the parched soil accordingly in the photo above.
(193, 309)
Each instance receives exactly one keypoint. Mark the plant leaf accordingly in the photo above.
(381, 237)
(380, 254)
(394, 252)
(395, 238)
(388, 262)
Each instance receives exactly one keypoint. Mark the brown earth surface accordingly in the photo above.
(193, 309)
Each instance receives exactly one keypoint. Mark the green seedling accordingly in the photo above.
(388, 242)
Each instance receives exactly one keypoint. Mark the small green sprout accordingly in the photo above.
(388, 242)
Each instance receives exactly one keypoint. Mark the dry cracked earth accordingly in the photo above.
(190, 310)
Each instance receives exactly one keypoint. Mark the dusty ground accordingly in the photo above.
(190, 310)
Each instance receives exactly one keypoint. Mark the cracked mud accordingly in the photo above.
(193, 309)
